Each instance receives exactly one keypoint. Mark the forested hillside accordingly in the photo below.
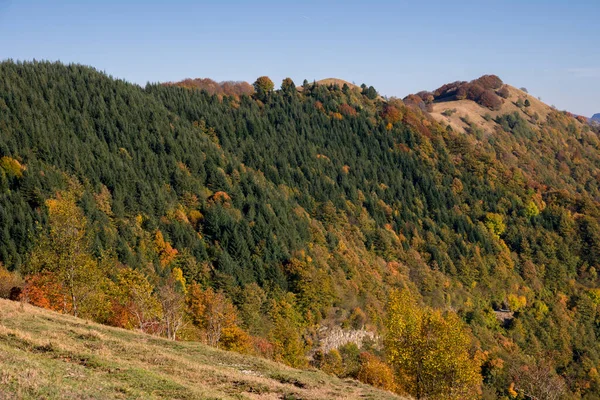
(468, 248)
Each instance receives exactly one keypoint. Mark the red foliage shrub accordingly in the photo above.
(461, 92)
(263, 347)
(448, 90)
(474, 92)
(489, 82)
(490, 100)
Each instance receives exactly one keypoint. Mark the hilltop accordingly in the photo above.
(49, 355)
(469, 111)
(334, 81)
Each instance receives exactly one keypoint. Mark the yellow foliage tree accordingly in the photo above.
(429, 351)
(164, 249)
(64, 251)
(495, 223)
(171, 297)
(135, 303)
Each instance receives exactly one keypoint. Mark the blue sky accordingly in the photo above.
(400, 47)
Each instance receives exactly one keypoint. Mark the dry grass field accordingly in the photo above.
(46, 355)
(467, 110)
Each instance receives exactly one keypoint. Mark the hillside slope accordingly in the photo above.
(44, 354)
(304, 210)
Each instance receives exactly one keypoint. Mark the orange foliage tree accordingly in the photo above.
(213, 313)
(44, 290)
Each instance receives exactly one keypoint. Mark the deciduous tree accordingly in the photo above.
(429, 351)
(64, 252)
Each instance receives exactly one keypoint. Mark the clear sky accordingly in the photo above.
(400, 47)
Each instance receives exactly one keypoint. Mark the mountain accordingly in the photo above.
(596, 117)
(50, 355)
(456, 230)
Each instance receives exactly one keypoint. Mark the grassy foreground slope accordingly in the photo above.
(44, 354)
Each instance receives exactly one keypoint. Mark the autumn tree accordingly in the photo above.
(135, 305)
(171, 297)
(263, 87)
(286, 332)
(288, 86)
(42, 289)
(64, 252)
(164, 249)
(495, 223)
(538, 380)
(212, 312)
(429, 351)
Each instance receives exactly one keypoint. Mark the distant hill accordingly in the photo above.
(596, 117)
(478, 103)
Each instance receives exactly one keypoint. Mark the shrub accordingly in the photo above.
(503, 92)
(234, 338)
(375, 372)
(474, 92)
(489, 82)
(490, 100)
(332, 363)
(448, 90)
(8, 281)
(461, 92)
